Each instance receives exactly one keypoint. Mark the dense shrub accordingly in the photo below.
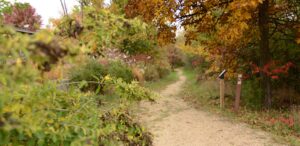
(251, 94)
(20, 14)
(163, 69)
(91, 72)
(175, 56)
(137, 46)
(137, 37)
(40, 114)
(197, 62)
(138, 75)
(158, 69)
(200, 65)
(125, 130)
(132, 91)
(151, 73)
(120, 70)
(34, 111)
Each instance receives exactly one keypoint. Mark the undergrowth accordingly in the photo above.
(43, 114)
(205, 95)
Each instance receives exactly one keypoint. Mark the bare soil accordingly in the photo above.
(173, 122)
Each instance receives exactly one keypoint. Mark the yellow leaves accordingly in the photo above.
(52, 130)
(19, 62)
(229, 35)
(55, 22)
(45, 36)
(199, 50)
(298, 40)
(255, 3)
(28, 132)
(159, 12)
(244, 5)
(218, 63)
(298, 34)
(236, 26)
(61, 119)
(243, 26)
(15, 108)
(166, 35)
(246, 16)
(107, 78)
(50, 121)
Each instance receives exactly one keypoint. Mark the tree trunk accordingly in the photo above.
(82, 14)
(264, 51)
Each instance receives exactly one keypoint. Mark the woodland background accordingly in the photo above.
(74, 82)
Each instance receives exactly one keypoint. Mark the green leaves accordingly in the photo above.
(43, 115)
(121, 129)
(36, 111)
(5, 6)
(132, 91)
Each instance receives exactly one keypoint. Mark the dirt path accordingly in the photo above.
(175, 123)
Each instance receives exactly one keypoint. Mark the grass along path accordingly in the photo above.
(204, 95)
(162, 83)
(175, 123)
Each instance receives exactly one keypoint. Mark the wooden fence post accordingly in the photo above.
(238, 93)
(222, 88)
(222, 93)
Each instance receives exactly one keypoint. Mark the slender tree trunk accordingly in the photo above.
(63, 8)
(265, 51)
(66, 9)
(82, 14)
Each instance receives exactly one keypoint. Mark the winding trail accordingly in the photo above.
(175, 123)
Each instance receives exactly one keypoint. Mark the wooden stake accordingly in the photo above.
(222, 93)
(238, 93)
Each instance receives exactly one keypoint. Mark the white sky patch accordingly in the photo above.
(50, 8)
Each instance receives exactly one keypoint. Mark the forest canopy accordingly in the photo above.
(236, 33)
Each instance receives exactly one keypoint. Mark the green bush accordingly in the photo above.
(40, 114)
(135, 47)
(163, 69)
(151, 73)
(252, 94)
(120, 70)
(157, 70)
(34, 111)
(91, 72)
(137, 37)
(132, 91)
(122, 130)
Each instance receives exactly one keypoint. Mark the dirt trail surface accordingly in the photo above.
(175, 123)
